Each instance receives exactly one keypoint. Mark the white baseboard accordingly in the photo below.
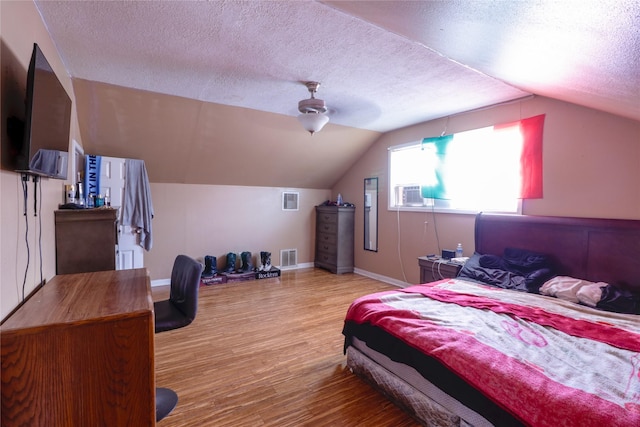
(297, 266)
(160, 282)
(385, 279)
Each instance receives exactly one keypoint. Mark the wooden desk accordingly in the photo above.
(80, 352)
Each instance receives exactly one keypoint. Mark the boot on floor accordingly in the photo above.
(265, 261)
(231, 263)
(210, 267)
(247, 263)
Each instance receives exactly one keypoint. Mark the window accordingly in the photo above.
(488, 169)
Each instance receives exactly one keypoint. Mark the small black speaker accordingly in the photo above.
(447, 254)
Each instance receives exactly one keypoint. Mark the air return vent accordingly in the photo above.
(288, 257)
(290, 200)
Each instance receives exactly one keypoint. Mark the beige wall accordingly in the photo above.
(20, 27)
(591, 169)
(199, 220)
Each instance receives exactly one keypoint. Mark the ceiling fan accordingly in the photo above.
(313, 110)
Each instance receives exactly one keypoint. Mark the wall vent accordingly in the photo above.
(290, 200)
(288, 257)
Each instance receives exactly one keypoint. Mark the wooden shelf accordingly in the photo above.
(85, 240)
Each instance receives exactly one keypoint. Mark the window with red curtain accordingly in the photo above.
(488, 169)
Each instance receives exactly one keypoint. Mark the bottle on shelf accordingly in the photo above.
(339, 202)
(79, 191)
(459, 251)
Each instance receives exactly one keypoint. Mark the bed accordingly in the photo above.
(540, 328)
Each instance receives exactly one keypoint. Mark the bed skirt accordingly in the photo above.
(409, 390)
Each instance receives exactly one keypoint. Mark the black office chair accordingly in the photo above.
(181, 307)
(176, 312)
(166, 401)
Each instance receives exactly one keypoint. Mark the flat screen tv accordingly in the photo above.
(45, 146)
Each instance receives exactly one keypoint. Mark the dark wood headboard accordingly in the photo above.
(598, 250)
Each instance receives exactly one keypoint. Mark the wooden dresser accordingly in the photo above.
(334, 238)
(85, 240)
(80, 352)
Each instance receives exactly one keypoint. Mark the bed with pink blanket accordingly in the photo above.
(541, 328)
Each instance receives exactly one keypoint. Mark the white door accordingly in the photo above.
(112, 178)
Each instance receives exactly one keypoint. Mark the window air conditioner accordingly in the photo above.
(409, 195)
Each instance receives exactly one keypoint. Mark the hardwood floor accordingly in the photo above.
(269, 353)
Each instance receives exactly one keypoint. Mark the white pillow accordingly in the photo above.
(573, 289)
(591, 294)
(563, 287)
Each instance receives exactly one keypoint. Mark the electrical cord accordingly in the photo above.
(39, 215)
(435, 225)
(404, 276)
(35, 195)
(437, 262)
(25, 194)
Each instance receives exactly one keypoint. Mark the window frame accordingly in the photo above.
(431, 205)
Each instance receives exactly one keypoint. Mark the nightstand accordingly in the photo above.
(432, 269)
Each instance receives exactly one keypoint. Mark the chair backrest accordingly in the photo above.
(185, 282)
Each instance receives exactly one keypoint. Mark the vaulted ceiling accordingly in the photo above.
(207, 92)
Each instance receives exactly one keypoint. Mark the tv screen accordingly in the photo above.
(45, 145)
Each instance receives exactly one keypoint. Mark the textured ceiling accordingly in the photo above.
(383, 65)
(585, 52)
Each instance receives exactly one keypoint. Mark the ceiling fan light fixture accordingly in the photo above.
(313, 122)
(312, 110)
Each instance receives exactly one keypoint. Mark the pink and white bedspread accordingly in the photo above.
(546, 361)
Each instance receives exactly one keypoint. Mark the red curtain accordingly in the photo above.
(531, 158)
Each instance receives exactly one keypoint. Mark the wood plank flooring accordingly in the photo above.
(269, 353)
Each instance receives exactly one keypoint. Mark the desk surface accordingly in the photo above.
(77, 298)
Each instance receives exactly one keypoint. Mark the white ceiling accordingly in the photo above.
(382, 64)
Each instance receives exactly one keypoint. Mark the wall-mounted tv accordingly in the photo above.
(45, 146)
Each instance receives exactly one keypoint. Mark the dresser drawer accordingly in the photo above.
(326, 248)
(327, 228)
(327, 218)
(327, 239)
(325, 258)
